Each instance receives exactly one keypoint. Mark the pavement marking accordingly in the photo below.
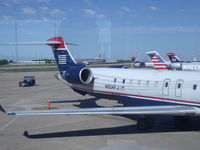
(9, 123)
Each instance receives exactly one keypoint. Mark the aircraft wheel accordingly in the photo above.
(145, 123)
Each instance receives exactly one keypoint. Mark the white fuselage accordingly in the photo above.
(192, 66)
(179, 87)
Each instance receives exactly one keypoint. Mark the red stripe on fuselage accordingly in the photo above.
(160, 64)
(161, 68)
(139, 96)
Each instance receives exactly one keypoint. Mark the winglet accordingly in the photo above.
(2, 109)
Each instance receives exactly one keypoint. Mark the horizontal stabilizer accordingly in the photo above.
(33, 43)
(38, 43)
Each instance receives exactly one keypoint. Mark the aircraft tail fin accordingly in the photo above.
(173, 58)
(159, 62)
(134, 59)
(135, 62)
(62, 55)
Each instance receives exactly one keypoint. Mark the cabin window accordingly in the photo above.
(194, 87)
(166, 84)
(147, 83)
(115, 80)
(179, 85)
(123, 81)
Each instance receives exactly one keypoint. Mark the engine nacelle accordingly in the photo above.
(77, 75)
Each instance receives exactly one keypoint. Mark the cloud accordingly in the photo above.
(89, 12)
(154, 8)
(125, 9)
(154, 30)
(43, 1)
(44, 8)
(57, 12)
(100, 16)
(37, 20)
(7, 4)
(88, 2)
(29, 11)
(93, 14)
(7, 17)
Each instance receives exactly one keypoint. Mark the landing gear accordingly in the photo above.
(145, 123)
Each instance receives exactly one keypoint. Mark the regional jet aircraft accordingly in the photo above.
(137, 63)
(88, 61)
(158, 61)
(143, 92)
(176, 63)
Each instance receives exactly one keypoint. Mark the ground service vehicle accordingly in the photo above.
(28, 81)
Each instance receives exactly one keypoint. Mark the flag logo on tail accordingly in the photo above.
(62, 59)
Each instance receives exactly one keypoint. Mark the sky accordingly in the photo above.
(118, 29)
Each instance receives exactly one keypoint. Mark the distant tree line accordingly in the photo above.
(123, 61)
(47, 61)
(4, 62)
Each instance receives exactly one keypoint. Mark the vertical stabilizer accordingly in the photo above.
(134, 59)
(62, 55)
(159, 62)
(173, 58)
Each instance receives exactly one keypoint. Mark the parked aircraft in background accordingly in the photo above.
(177, 64)
(137, 63)
(87, 61)
(158, 61)
(143, 92)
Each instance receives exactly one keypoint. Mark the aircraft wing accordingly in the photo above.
(144, 110)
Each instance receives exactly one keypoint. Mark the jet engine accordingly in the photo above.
(78, 75)
(176, 66)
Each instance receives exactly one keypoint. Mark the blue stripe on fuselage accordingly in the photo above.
(135, 101)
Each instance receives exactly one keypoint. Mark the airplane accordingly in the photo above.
(137, 63)
(144, 93)
(88, 61)
(174, 64)
(177, 64)
(158, 61)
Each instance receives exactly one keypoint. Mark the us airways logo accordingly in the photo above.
(116, 87)
(62, 59)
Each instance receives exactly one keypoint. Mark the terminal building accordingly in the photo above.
(34, 62)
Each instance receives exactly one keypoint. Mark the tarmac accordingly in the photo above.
(78, 132)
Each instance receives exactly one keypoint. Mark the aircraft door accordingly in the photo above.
(178, 88)
(166, 85)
